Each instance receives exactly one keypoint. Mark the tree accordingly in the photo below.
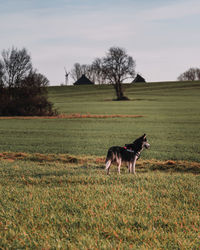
(1, 76)
(192, 74)
(117, 67)
(22, 90)
(98, 75)
(76, 72)
(32, 95)
(79, 70)
(16, 65)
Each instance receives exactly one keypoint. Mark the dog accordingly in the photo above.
(129, 154)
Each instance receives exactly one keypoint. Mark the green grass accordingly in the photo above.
(55, 194)
(171, 119)
(67, 206)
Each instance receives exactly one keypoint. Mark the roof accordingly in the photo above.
(83, 80)
(139, 78)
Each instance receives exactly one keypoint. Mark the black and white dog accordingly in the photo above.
(130, 153)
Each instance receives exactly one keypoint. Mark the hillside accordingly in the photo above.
(169, 115)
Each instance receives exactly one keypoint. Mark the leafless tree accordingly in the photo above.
(115, 68)
(1, 75)
(191, 74)
(98, 75)
(118, 67)
(16, 64)
(22, 90)
(78, 70)
(197, 73)
(83, 69)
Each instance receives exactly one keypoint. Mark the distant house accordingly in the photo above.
(138, 78)
(83, 81)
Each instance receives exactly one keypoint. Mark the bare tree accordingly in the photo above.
(22, 90)
(82, 69)
(16, 65)
(117, 67)
(77, 71)
(93, 71)
(197, 73)
(31, 96)
(1, 75)
(191, 74)
(98, 75)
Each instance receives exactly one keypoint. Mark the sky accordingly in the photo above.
(162, 36)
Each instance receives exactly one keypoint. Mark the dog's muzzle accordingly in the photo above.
(147, 145)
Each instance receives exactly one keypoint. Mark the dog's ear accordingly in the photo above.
(144, 136)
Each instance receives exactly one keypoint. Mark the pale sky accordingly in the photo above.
(162, 36)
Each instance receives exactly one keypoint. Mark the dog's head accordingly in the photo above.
(140, 143)
(144, 141)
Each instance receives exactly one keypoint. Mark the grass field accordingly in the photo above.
(170, 117)
(55, 194)
(76, 206)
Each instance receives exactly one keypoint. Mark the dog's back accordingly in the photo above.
(113, 153)
(123, 153)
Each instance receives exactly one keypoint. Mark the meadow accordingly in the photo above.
(170, 118)
(53, 188)
(76, 206)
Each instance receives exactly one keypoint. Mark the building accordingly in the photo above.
(138, 78)
(83, 80)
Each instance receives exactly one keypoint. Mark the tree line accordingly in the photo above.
(95, 73)
(23, 91)
(192, 74)
(115, 68)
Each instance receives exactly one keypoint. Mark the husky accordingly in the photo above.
(129, 154)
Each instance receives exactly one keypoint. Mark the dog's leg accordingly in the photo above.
(108, 163)
(133, 165)
(130, 167)
(119, 165)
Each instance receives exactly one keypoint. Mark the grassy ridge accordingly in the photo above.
(142, 165)
(55, 205)
(171, 119)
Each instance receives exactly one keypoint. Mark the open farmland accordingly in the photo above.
(53, 188)
(170, 116)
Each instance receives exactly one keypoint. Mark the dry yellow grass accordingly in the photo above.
(68, 116)
(142, 165)
(58, 205)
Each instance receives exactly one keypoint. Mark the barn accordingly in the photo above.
(138, 78)
(83, 80)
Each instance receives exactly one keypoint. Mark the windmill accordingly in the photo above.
(66, 76)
